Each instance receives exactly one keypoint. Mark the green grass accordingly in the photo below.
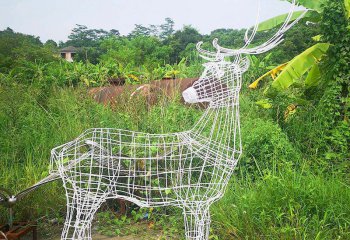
(288, 205)
(33, 121)
(276, 193)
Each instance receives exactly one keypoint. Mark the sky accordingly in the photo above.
(54, 19)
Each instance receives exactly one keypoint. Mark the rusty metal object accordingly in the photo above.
(117, 81)
(171, 87)
(19, 230)
(168, 87)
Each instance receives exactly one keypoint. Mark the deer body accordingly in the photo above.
(188, 169)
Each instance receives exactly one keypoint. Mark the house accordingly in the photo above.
(68, 53)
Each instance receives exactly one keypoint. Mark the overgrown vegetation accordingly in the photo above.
(293, 179)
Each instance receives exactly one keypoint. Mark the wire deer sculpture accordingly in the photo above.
(189, 169)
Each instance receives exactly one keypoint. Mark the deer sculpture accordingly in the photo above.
(189, 169)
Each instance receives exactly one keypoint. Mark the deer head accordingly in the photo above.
(221, 78)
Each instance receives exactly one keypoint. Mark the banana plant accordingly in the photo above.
(292, 71)
(307, 61)
(289, 73)
(273, 73)
(314, 14)
(176, 70)
(347, 8)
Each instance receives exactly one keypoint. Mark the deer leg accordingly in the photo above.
(81, 207)
(68, 228)
(197, 222)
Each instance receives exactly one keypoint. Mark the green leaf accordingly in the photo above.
(300, 65)
(317, 38)
(167, 191)
(347, 7)
(275, 21)
(314, 76)
(311, 4)
(265, 103)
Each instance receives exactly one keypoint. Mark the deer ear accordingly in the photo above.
(244, 64)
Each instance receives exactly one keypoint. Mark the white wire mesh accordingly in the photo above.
(188, 169)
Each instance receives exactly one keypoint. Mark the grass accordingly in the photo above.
(277, 192)
(287, 205)
(33, 121)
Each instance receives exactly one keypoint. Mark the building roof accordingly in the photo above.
(70, 49)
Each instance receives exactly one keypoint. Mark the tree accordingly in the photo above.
(88, 42)
(140, 30)
(231, 38)
(162, 31)
(114, 32)
(137, 51)
(50, 43)
(180, 39)
(167, 29)
(17, 49)
(82, 36)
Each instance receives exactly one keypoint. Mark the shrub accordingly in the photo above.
(265, 147)
(290, 205)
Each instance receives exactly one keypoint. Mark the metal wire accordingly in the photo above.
(188, 169)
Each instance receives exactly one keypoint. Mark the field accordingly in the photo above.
(292, 181)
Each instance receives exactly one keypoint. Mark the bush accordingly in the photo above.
(288, 205)
(265, 147)
(32, 122)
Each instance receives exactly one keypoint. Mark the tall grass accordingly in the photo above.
(275, 194)
(286, 205)
(278, 191)
(34, 120)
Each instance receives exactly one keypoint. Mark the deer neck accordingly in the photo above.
(219, 125)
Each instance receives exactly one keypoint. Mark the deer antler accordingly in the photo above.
(275, 40)
(207, 55)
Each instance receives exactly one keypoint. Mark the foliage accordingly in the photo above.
(292, 181)
(326, 88)
(137, 51)
(179, 41)
(258, 66)
(347, 7)
(16, 49)
(296, 40)
(312, 4)
(87, 41)
(162, 31)
(301, 64)
(266, 147)
(286, 205)
(141, 222)
(276, 21)
(335, 101)
(81, 36)
(273, 73)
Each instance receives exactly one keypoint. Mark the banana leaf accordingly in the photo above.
(311, 4)
(301, 64)
(347, 7)
(314, 77)
(271, 23)
(278, 20)
(273, 73)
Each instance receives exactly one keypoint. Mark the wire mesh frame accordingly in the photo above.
(188, 169)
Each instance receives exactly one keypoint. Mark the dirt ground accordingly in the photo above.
(100, 237)
(150, 234)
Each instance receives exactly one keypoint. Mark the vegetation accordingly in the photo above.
(293, 179)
